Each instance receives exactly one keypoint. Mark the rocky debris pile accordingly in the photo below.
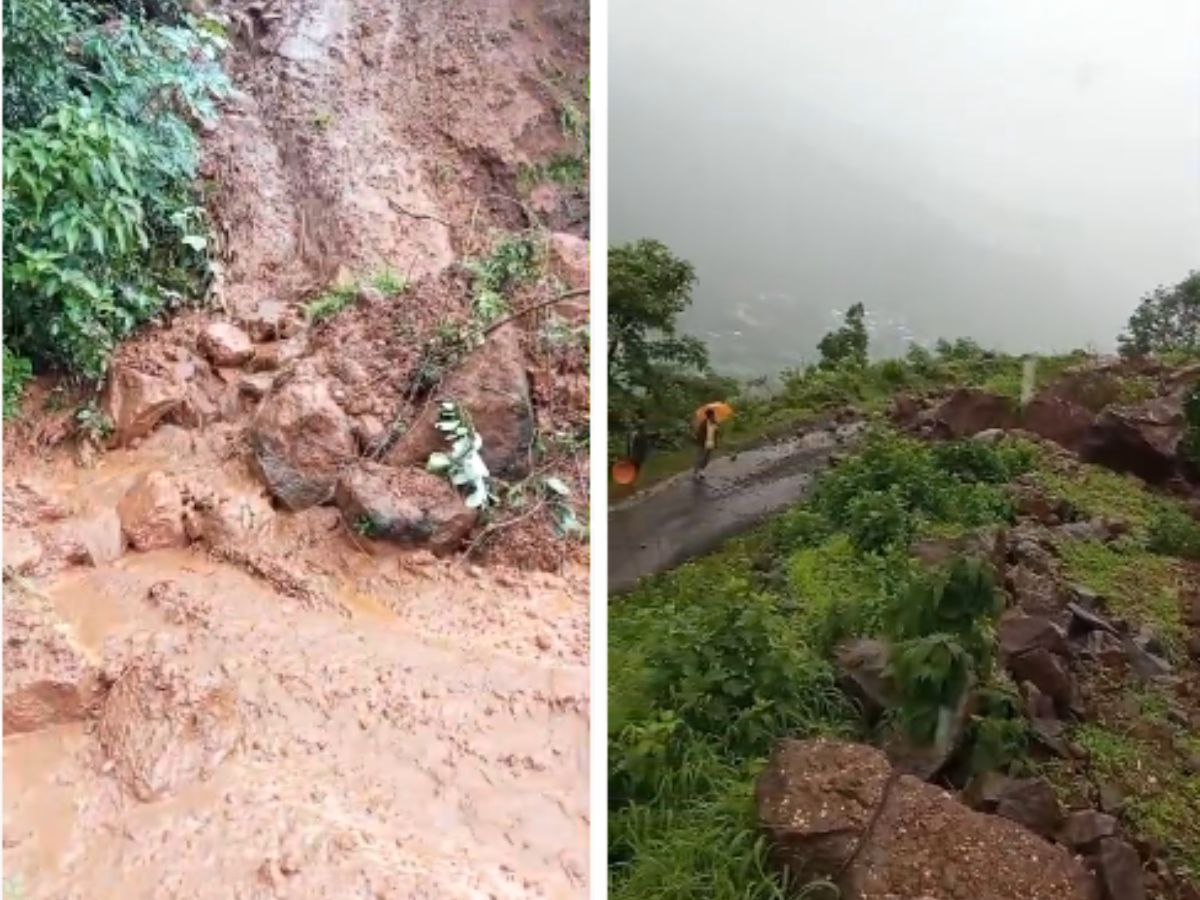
(165, 725)
(1082, 413)
(838, 811)
(48, 678)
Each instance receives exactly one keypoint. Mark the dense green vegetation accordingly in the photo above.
(1166, 320)
(103, 226)
(712, 662)
(709, 664)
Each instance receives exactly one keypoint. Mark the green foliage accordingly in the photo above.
(1191, 415)
(103, 228)
(463, 465)
(17, 372)
(1166, 320)
(1173, 532)
(941, 633)
(511, 261)
(93, 424)
(897, 485)
(330, 303)
(848, 345)
(558, 495)
(389, 283)
(648, 287)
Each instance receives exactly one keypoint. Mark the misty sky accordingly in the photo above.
(1015, 171)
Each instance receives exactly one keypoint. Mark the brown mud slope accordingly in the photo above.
(254, 650)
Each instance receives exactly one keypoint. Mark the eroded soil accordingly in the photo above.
(238, 700)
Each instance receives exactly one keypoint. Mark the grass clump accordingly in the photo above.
(1172, 531)
(511, 261)
(1135, 583)
(389, 283)
(1099, 493)
(330, 303)
(1161, 798)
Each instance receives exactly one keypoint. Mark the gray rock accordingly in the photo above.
(1119, 871)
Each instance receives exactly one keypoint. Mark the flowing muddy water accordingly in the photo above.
(298, 711)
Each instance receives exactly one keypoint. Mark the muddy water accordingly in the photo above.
(403, 726)
(684, 517)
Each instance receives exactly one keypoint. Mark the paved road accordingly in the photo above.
(682, 518)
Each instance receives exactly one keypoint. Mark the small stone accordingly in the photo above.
(543, 642)
(1086, 827)
(225, 344)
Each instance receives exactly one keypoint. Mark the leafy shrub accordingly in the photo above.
(1173, 532)
(1191, 414)
(510, 262)
(877, 521)
(17, 372)
(912, 474)
(1167, 319)
(102, 225)
(942, 641)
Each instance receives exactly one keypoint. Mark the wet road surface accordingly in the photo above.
(683, 518)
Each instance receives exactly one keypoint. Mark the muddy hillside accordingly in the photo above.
(257, 646)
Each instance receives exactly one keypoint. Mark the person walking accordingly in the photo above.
(706, 440)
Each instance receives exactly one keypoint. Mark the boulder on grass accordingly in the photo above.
(816, 800)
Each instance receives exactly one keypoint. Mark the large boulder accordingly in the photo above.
(48, 678)
(166, 724)
(968, 411)
(493, 387)
(817, 800)
(301, 439)
(1061, 421)
(1143, 440)
(407, 506)
(135, 401)
(1120, 871)
(151, 513)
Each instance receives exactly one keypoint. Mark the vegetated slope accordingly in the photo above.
(964, 590)
(252, 651)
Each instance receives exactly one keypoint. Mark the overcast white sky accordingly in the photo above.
(1018, 171)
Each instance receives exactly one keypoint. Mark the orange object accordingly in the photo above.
(723, 410)
(625, 471)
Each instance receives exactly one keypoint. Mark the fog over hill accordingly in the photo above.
(1000, 170)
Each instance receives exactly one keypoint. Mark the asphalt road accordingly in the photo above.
(683, 518)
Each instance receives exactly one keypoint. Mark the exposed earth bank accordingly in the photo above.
(253, 648)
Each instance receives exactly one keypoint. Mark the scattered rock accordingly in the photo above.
(408, 506)
(135, 402)
(279, 355)
(1119, 871)
(1047, 672)
(1112, 798)
(1033, 803)
(493, 387)
(1143, 440)
(1084, 620)
(227, 518)
(151, 513)
(22, 551)
(1033, 592)
(968, 411)
(569, 259)
(300, 438)
(863, 674)
(48, 679)
(1142, 662)
(225, 344)
(93, 539)
(815, 799)
(1084, 829)
(269, 320)
(164, 726)
(1020, 634)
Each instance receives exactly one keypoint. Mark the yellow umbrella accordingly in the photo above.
(723, 411)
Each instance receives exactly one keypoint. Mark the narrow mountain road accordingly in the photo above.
(682, 518)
